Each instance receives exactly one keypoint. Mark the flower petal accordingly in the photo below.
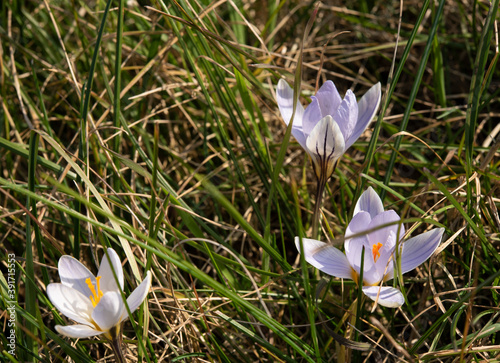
(71, 302)
(108, 311)
(328, 98)
(418, 249)
(389, 297)
(354, 246)
(367, 108)
(347, 117)
(73, 274)
(284, 97)
(326, 140)
(381, 234)
(77, 331)
(326, 258)
(312, 115)
(138, 295)
(369, 202)
(384, 264)
(108, 282)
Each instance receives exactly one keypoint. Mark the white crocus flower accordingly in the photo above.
(95, 303)
(330, 124)
(378, 232)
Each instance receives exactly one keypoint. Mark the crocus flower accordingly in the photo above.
(378, 232)
(330, 124)
(95, 303)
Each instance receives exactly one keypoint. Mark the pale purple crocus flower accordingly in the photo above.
(95, 303)
(378, 232)
(330, 124)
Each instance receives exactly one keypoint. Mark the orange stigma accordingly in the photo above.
(96, 295)
(376, 253)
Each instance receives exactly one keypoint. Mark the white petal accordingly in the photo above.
(108, 282)
(328, 98)
(373, 272)
(312, 115)
(73, 274)
(109, 310)
(77, 331)
(354, 246)
(347, 117)
(72, 303)
(284, 97)
(381, 234)
(369, 202)
(367, 108)
(138, 295)
(387, 296)
(385, 262)
(327, 258)
(326, 140)
(418, 249)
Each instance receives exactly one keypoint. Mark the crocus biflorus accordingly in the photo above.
(378, 232)
(95, 303)
(327, 127)
(330, 124)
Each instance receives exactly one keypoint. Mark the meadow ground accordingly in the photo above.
(153, 128)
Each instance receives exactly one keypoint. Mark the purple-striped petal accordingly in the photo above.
(328, 98)
(284, 97)
(347, 117)
(418, 249)
(369, 202)
(367, 108)
(326, 139)
(325, 145)
(354, 245)
(312, 115)
(389, 219)
(324, 257)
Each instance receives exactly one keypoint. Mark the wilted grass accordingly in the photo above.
(159, 135)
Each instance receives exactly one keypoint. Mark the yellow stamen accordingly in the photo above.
(96, 295)
(375, 250)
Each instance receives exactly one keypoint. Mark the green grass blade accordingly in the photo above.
(413, 92)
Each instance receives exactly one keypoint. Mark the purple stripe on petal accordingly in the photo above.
(389, 219)
(354, 246)
(324, 257)
(347, 117)
(369, 202)
(418, 249)
(367, 108)
(284, 97)
(329, 99)
(312, 115)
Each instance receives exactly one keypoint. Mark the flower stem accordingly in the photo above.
(319, 201)
(116, 344)
(322, 177)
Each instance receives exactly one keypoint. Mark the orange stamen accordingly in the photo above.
(376, 253)
(96, 295)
